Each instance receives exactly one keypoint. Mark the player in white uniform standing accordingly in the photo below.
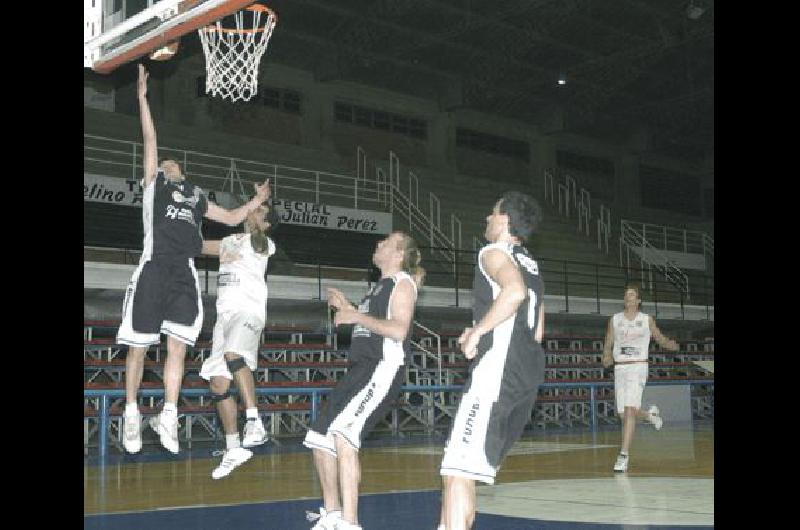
(241, 316)
(627, 346)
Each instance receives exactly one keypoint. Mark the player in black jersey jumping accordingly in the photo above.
(508, 360)
(163, 295)
(380, 347)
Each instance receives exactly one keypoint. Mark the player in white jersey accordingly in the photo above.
(163, 295)
(241, 316)
(627, 346)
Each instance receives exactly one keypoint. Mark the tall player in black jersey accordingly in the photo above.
(163, 295)
(508, 359)
(380, 347)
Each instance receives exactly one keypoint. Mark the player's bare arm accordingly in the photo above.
(211, 248)
(214, 248)
(504, 272)
(608, 344)
(150, 157)
(238, 215)
(402, 309)
(540, 327)
(662, 340)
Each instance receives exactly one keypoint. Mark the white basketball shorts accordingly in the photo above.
(236, 332)
(629, 381)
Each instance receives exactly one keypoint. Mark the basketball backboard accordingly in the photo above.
(119, 31)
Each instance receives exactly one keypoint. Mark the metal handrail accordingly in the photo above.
(673, 239)
(652, 257)
(214, 171)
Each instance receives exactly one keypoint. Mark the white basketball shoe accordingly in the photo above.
(655, 417)
(622, 463)
(166, 425)
(325, 520)
(132, 432)
(254, 433)
(232, 459)
(341, 524)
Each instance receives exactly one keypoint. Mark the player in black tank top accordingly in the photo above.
(508, 360)
(525, 326)
(364, 343)
(163, 295)
(379, 349)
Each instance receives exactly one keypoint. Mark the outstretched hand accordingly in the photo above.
(337, 300)
(263, 191)
(141, 85)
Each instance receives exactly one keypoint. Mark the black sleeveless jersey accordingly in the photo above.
(172, 215)
(366, 344)
(518, 332)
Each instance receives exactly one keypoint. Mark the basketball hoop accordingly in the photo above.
(233, 55)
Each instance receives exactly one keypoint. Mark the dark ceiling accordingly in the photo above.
(633, 67)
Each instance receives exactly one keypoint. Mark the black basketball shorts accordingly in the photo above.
(359, 401)
(163, 296)
(496, 405)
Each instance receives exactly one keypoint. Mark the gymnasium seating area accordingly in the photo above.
(298, 364)
(571, 260)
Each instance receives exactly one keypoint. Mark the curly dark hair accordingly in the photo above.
(524, 213)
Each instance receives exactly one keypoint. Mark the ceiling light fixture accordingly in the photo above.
(693, 11)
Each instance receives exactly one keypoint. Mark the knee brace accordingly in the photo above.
(216, 398)
(235, 365)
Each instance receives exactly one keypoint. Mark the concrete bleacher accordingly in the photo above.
(558, 238)
(469, 198)
(128, 127)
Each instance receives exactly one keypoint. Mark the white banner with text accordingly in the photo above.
(333, 217)
(128, 192)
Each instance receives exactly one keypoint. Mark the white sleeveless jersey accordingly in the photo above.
(240, 283)
(631, 337)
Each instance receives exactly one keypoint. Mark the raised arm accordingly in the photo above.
(396, 328)
(236, 216)
(504, 272)
(608, 344)
(150, 157)
(662, 341)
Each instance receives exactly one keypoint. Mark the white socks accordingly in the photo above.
(232, 441)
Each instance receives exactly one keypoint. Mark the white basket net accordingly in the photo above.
(233, 55)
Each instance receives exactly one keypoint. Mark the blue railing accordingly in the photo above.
(316, 392)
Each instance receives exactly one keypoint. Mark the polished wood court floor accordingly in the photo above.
(138, 483)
